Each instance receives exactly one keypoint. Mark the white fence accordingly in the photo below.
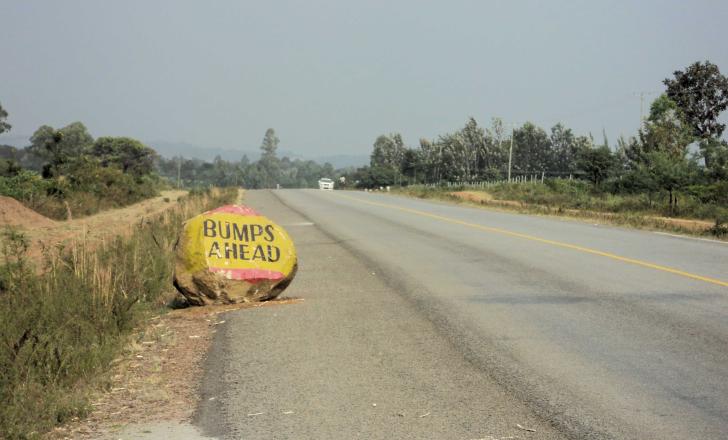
(524, 179)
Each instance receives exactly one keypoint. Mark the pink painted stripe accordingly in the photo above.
(234, 209)
(250, 275)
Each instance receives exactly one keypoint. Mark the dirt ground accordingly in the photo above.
(44, 233)
(157, 376)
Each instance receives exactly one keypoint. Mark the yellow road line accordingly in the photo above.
(545, 240)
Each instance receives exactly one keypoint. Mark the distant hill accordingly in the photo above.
(190, 151)
(15, 140)
(344, 160)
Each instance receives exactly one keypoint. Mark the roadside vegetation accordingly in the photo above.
(675, 166)
(63, 322)
(66, 173)
(573, 198)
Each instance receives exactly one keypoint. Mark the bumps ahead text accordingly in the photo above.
(233, 241)
(233, 254)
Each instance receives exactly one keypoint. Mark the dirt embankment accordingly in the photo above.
(45, 234)
(15, 214)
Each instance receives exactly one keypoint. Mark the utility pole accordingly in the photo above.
(510, 153)
(179, 170)
(642, 104)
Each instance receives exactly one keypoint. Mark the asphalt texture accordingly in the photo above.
(426, 320)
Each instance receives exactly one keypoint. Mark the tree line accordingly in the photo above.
(67, 170)
(678, 145)
(269, 171)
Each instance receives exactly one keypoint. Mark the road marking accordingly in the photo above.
(687, 237)
(546, 241)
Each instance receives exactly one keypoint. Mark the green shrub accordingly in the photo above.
(25, 186)
(86, 190)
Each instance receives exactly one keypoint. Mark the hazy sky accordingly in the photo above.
(330, 76)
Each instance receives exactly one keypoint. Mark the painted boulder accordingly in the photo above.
(232, 254)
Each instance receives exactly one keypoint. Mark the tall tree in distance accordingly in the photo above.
(495, 157)
(269, 163)
(701, 92)
(4, 126)
(474, 147)
(388, 152)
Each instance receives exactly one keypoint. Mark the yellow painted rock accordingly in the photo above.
(232, 254)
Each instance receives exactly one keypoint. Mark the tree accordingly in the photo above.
(665, 129)
(129, 155)
(388, 152)
(4, 126)
(9, 168)
(9, 165)
(531, 149)
(59, 148)
(716, 152)
(494, 158)
(269, 164)
(566, 150)
(387, 159)
(412, 165)
(473, 148)
(269, 145)
(701, 92)
(430, 157)
(597, 163)
(666, 172)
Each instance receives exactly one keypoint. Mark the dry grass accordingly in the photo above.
(62, 324)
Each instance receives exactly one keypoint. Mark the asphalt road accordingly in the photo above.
(434, 321)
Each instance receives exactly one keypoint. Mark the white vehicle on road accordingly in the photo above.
(325, 183)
